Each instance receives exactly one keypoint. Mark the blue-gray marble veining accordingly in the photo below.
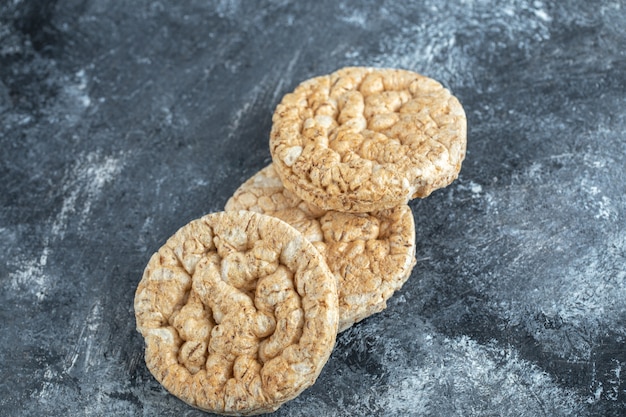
(122, 121)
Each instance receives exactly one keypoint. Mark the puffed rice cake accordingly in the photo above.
(372, 254)
(239, 313)
(364, 139)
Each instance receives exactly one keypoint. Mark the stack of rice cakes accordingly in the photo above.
(240, 309)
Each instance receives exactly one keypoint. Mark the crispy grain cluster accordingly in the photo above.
(372, 254)
(365, 139)
(239, 313)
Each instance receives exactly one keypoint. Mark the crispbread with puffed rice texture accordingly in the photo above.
(364, 139)
(239, 313)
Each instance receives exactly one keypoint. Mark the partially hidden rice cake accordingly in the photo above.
(372, 254)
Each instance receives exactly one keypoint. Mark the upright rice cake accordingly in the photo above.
(364, 139)
(372, 254)
(239, 313)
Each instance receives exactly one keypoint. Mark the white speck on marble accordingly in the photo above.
(605, 209)
(540, 12)
(78, 89)
(356, 18)
(475, 188)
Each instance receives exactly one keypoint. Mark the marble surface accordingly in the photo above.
(122, 121)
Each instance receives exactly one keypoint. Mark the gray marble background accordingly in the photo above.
(122, 121)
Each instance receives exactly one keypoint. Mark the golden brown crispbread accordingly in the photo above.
(239, 313)
(364, 139)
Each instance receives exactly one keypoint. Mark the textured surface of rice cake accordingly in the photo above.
(372, 254)
(363, 139)
(239, 313)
